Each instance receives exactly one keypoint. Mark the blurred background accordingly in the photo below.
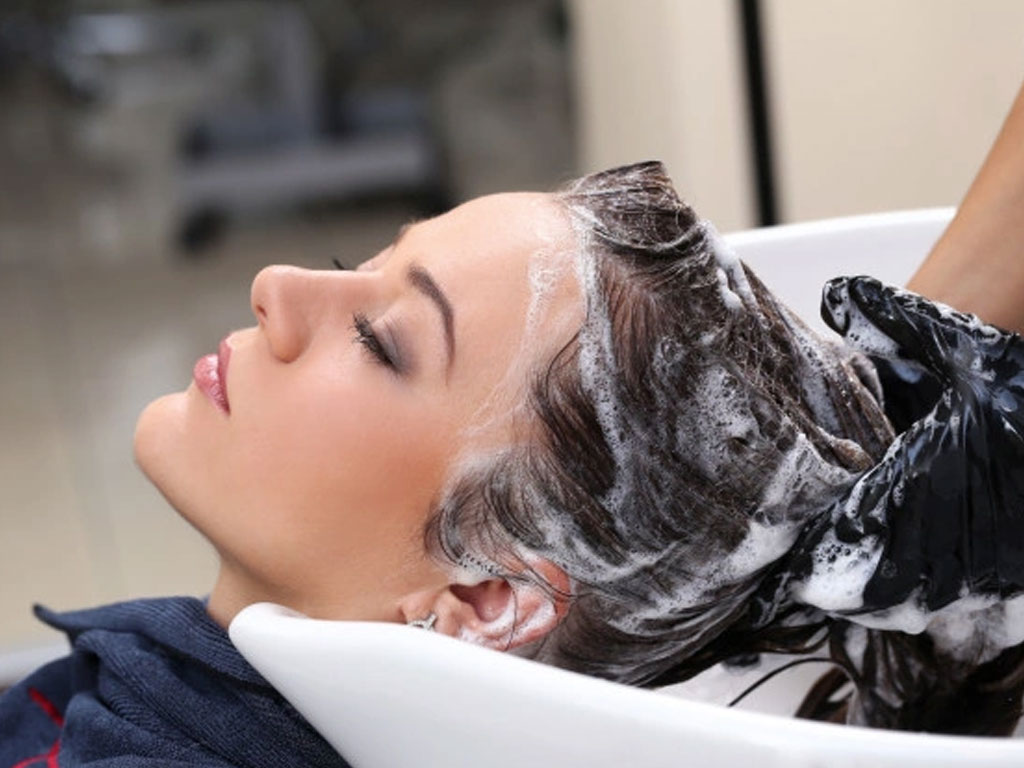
(155, 155)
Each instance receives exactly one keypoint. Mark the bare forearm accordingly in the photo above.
(978, 264)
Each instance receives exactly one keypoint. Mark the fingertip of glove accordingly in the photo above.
(834, 298)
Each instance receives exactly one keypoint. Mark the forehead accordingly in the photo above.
(485, 253)
(511, 227)
(506, 263)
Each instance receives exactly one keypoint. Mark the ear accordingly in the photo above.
(495, 612)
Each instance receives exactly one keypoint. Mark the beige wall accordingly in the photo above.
(884, 105)
(877, 104)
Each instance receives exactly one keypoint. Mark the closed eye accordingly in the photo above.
(366, 336)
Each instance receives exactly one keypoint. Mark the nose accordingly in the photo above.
(284, 300)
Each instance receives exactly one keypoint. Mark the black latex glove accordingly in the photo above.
(946, 503)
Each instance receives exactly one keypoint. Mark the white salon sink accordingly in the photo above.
(389, 696)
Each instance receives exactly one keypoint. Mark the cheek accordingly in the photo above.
(334, 467)
(325, 436)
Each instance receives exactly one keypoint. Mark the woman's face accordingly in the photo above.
(352, 400)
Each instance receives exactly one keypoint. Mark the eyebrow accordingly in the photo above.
(421, 280)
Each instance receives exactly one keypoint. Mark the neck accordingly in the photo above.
(231, 593)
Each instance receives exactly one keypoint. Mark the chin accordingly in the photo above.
(159, 442)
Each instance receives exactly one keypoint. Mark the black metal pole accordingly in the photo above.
(757, 106)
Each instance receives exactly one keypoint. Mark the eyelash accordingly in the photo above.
(366, 336)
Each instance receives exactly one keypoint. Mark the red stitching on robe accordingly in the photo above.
(50, 756)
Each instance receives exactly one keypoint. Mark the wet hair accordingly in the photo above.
(687, 434)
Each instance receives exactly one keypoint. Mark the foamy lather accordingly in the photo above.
(732, 443)
(799, 480)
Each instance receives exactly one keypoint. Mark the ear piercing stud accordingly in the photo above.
(427, 623)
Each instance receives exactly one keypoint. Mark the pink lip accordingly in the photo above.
(211, 375)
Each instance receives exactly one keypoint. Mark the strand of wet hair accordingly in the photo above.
(789, 665)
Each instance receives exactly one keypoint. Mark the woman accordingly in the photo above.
(571, 425)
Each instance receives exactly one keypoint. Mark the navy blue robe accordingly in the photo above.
(152, 683)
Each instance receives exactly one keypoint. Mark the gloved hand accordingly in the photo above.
(945, 506)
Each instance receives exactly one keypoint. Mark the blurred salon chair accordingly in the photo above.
(267, 132)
